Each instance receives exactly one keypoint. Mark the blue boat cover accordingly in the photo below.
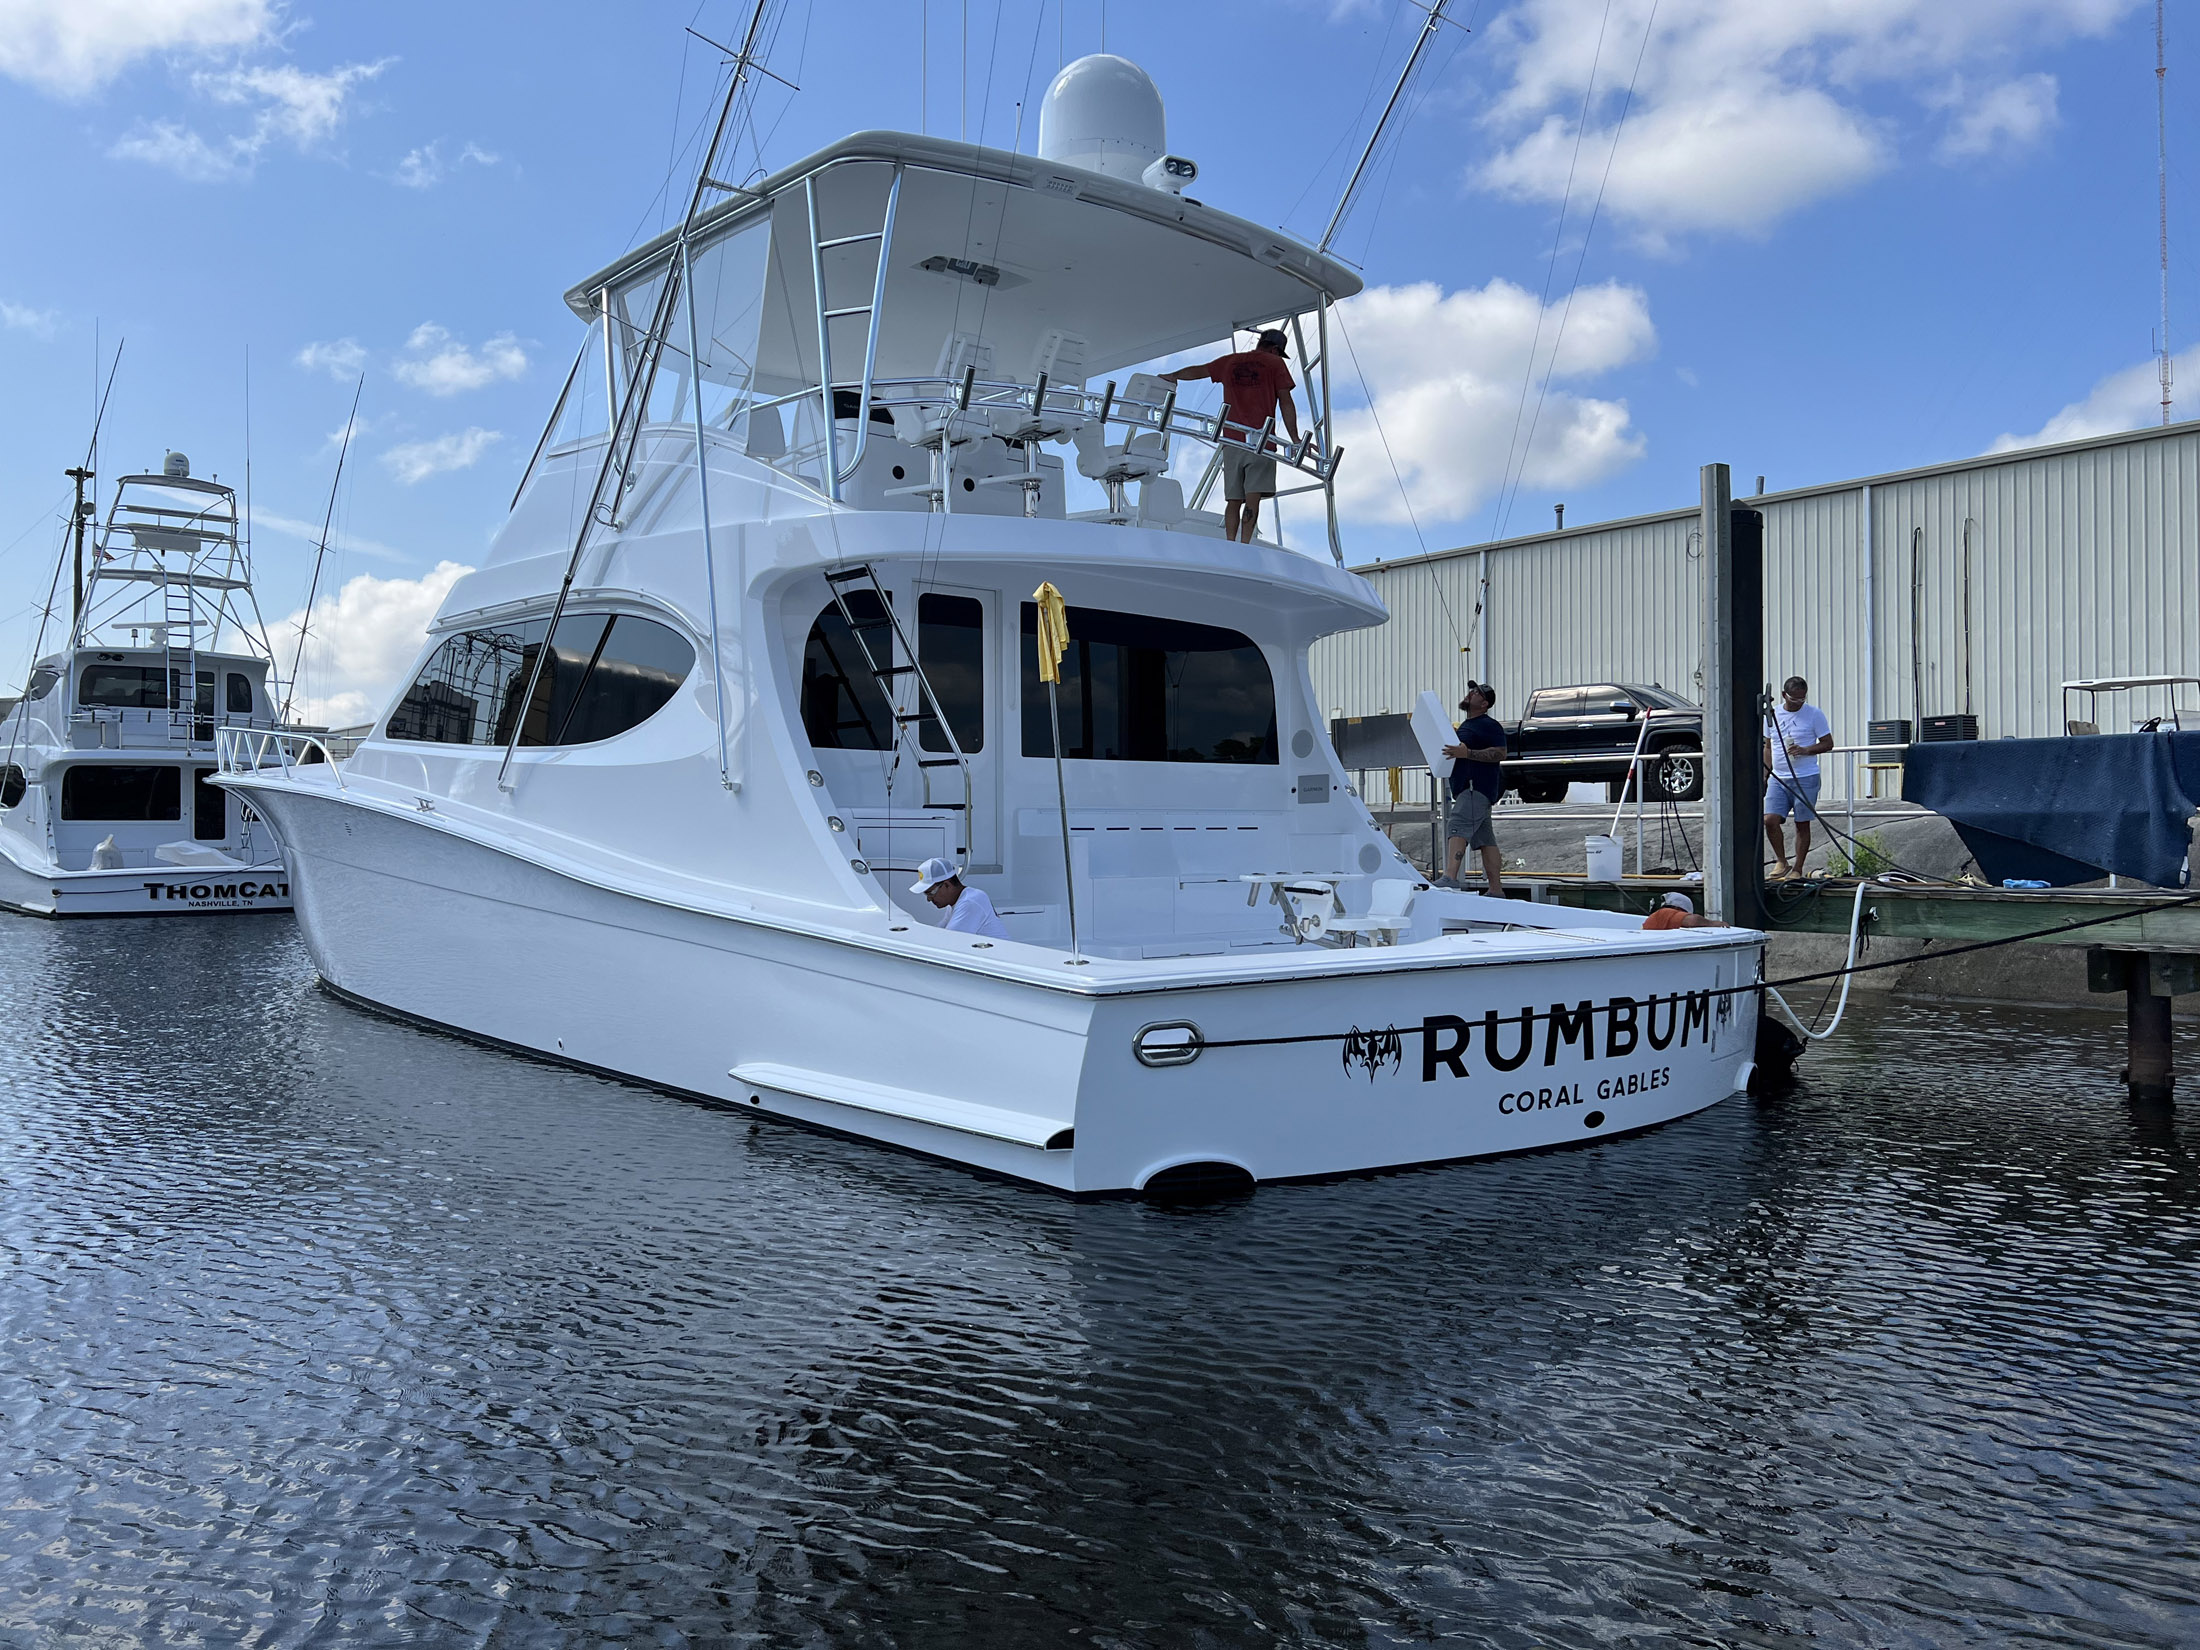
(2065, 811)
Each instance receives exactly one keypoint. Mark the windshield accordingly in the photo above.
(1661, 699)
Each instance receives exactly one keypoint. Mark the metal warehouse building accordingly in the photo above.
(1978, 586)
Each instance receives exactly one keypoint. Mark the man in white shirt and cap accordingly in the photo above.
(969, 910)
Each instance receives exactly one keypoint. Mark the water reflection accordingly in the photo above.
(326, 1330)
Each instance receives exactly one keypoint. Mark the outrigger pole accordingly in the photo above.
(1352, 184)
(634, 405)
(320, 554)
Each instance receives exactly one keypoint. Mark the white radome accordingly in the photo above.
(1104, 113)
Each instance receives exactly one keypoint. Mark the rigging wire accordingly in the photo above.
(1501, 506)
(1435, 580)
(1595, 210)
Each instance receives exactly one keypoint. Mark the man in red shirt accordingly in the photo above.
(1254, 384)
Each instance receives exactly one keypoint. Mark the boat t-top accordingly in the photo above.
(107, 805)
(767, 630)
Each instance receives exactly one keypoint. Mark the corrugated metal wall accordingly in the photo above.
(1993, 582)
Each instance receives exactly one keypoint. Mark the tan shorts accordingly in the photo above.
(1247, 475)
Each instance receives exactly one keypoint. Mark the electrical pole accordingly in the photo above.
(80, 518)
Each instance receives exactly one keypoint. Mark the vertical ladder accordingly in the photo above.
(895, 681)
(179, 613)
(835, 472)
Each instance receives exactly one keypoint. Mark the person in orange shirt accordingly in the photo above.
(1255, 384)
(1678, 911)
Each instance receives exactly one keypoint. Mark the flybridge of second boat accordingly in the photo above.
(943, 293)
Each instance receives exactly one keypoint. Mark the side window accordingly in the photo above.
(604, 675)
(1141, 689)
(458, 695)
(638, 666)
(12, 786)
(110, 793)
(843, 707)
(951, 647)
(1558, 702)
(240, 693)
(123, 687)
(41, 683)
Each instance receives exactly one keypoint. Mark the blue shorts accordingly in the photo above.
(1797, 796)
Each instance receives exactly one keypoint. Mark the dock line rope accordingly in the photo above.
(1770, 987)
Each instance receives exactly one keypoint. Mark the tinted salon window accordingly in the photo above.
(1140, 689)
(843, 708)
(604, 674)
(12, 785)
(105, 792)
(240, 694)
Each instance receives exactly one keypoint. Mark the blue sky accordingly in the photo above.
(1831, 237)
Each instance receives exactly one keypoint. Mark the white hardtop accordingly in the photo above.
(1150, 272)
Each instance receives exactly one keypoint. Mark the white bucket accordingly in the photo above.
(1604, 859)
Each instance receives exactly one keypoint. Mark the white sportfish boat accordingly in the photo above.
(107, 800)
(759, 638)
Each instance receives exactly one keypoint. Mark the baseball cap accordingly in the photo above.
(1274, 336)
(1681, 902)
(931, 874)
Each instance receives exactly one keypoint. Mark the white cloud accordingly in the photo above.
(1746, 110)
(441, 365)
(289, 104)
(2013, 115)
(415, 461)
(362, 641)
(309, 532)
(341, 359)
(2125, 400)
(1446, 372)
(71, 48)
(425, 167)
(39, 323)
(176, 148)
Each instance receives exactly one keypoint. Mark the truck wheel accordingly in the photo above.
(1545, 792)
(1677, 776)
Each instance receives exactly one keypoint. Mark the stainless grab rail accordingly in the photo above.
(247, 751)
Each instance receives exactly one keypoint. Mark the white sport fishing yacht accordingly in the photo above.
(107, 805)
(760, 637)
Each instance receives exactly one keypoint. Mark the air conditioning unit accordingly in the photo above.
(1941, 728)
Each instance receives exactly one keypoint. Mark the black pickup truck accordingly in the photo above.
(1594, 727)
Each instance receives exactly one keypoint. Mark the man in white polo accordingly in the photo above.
(1797, 734)
(969, 910)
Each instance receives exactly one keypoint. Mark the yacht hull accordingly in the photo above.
(1304, 1073)
(141, 891)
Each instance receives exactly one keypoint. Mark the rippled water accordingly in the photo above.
(319, 1329)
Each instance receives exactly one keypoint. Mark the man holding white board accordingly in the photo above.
(1477, 781)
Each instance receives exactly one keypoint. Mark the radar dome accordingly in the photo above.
(1104, 113)
(175, 465)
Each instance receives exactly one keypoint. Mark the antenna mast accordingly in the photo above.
(305, 619)
(1352, 184)
(2161, 174)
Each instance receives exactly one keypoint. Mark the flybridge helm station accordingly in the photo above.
(906, 323)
